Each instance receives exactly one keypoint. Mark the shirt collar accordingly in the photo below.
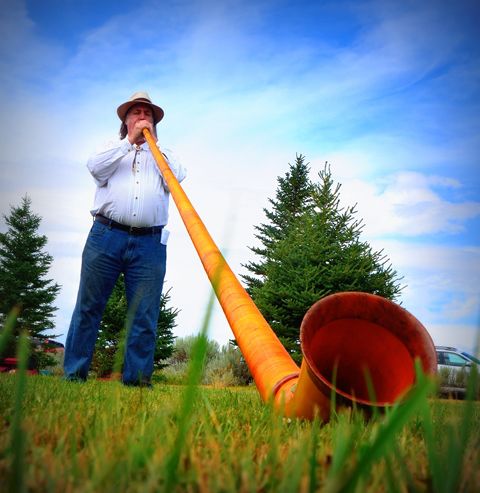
(143, 146)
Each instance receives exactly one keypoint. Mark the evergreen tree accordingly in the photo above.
(23, 269)
(293, 198)
(111, 333)
(165, 338)
(322, 254)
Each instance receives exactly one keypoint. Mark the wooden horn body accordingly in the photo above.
(352, 342)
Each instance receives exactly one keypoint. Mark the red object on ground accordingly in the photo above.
(10, 365)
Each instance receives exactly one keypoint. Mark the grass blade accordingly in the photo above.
(194, 377)
(459, 441)
(312, 487)
(18, 439)
(7, 330)
(381, 443)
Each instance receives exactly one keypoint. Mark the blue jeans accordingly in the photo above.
(142, 259)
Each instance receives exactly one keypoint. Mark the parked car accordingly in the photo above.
(36, 363)
(454, 367)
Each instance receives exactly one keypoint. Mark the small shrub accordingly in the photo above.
(224, 366)
(182, 350)
(455, 382)
(175, 373)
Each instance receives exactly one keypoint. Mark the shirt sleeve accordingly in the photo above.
(104, 162)
(178, 170)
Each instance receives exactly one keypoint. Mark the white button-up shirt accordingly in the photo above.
(130, 188)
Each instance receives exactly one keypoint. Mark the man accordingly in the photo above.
(128, 236)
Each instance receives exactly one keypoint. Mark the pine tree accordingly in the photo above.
(23, 269)
(165, 338)
(292, 200)
(322, 254)
(111, 333)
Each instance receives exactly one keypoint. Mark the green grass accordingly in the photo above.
(101, 436)
(58, 436)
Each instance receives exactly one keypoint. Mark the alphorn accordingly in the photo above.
(357, 347)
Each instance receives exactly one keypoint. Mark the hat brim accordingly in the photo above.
(123, 109)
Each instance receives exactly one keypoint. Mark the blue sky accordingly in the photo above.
(386, 91)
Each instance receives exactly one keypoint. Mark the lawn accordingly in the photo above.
(100, 436)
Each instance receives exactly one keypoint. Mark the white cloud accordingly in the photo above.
(464, 337)
(460, 308)
(441, 285)
(409, 204)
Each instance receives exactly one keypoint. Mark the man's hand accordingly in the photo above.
(136, 135)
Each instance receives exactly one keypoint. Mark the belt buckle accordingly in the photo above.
(131, 230)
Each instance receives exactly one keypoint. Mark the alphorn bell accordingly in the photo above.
(352, 342)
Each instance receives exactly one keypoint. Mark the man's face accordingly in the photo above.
(136, 113)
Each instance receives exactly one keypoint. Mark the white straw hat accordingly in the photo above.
(140, 97)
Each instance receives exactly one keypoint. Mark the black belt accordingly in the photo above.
(133, 230)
